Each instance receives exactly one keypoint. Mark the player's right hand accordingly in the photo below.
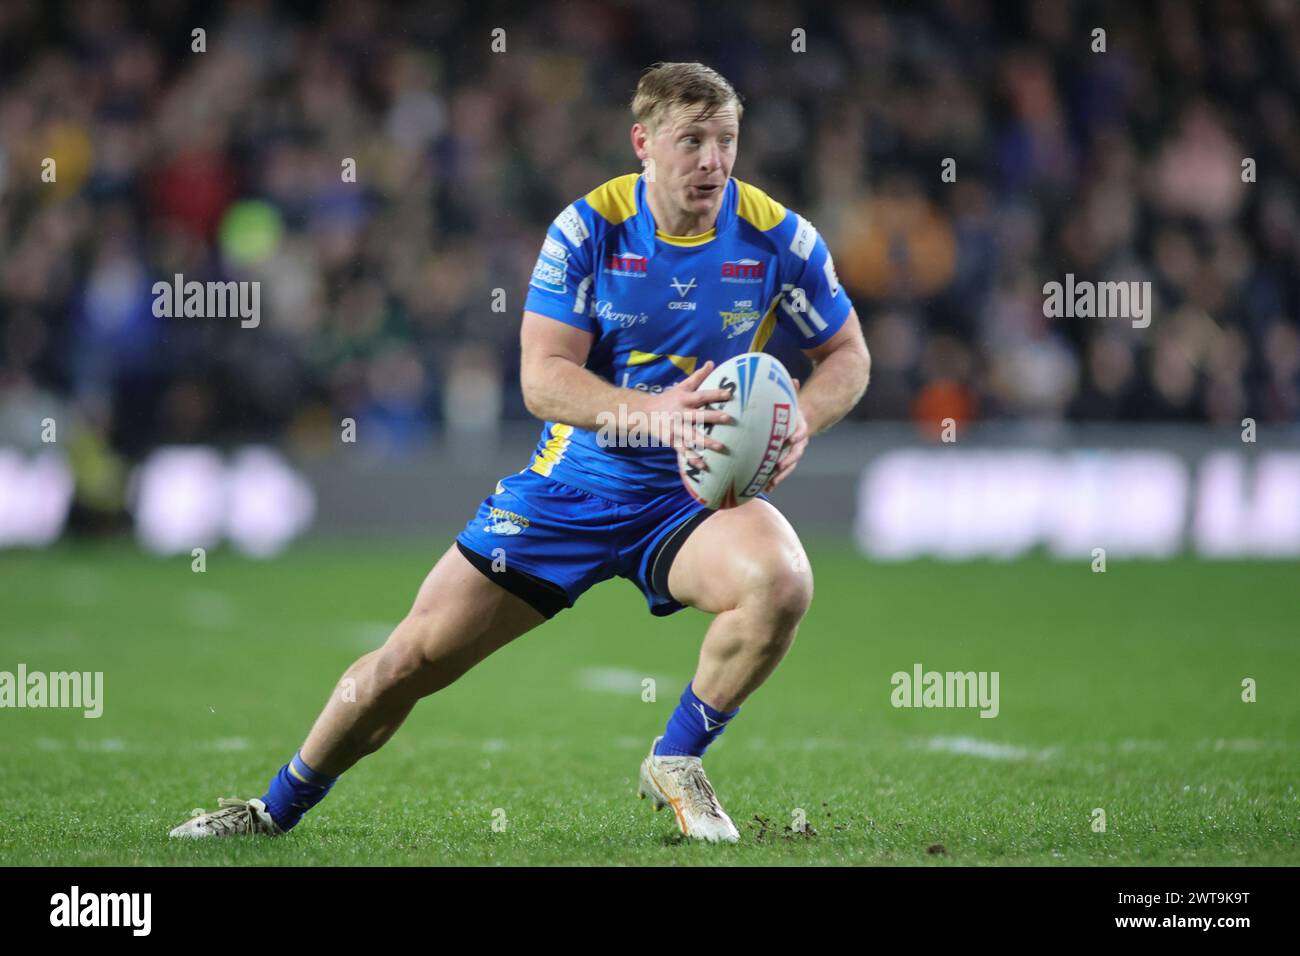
(683, 420)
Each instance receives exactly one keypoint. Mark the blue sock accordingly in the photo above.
(295, 790)
(692, 727)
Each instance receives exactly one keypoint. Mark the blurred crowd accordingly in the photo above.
(1172, 156)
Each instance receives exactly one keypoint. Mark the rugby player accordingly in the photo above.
(640, 288)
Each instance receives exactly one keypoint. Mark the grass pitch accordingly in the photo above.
(1120, 691)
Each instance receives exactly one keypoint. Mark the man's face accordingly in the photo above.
(692, 156)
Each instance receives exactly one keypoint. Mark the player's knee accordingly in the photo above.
(408, 661)
(400, 664)
(784, 589)
(792, 593)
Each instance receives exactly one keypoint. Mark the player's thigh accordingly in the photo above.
(745, 554)
(460, 616)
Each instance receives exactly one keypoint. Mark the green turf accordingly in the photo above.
(1119, 691)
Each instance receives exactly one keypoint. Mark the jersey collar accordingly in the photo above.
(645, 221)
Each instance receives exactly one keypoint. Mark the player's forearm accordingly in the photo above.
(558, 390)
(835, 386)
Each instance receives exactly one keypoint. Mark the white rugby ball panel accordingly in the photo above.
(765, 408)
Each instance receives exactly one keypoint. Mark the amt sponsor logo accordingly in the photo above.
(744, 270)
(626, 264)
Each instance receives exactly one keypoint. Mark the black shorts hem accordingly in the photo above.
(546, 598)
(661, 562)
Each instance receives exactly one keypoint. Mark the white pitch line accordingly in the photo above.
(987, 749)
(1243, 745)
(620, 680)
(1130, 745)
(109, 745)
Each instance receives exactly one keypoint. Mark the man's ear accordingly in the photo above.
(640, 138)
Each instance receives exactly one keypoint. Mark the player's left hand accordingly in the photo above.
(795, 443)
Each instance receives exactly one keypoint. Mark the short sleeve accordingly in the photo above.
(563, 275)
(813, 305)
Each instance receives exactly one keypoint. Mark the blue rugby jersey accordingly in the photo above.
(659, 306)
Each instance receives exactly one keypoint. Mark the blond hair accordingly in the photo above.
(668, 85)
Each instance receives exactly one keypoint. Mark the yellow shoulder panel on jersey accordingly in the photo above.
(616, 199)
(758, 208)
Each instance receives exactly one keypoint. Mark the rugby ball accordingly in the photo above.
(765, 409)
